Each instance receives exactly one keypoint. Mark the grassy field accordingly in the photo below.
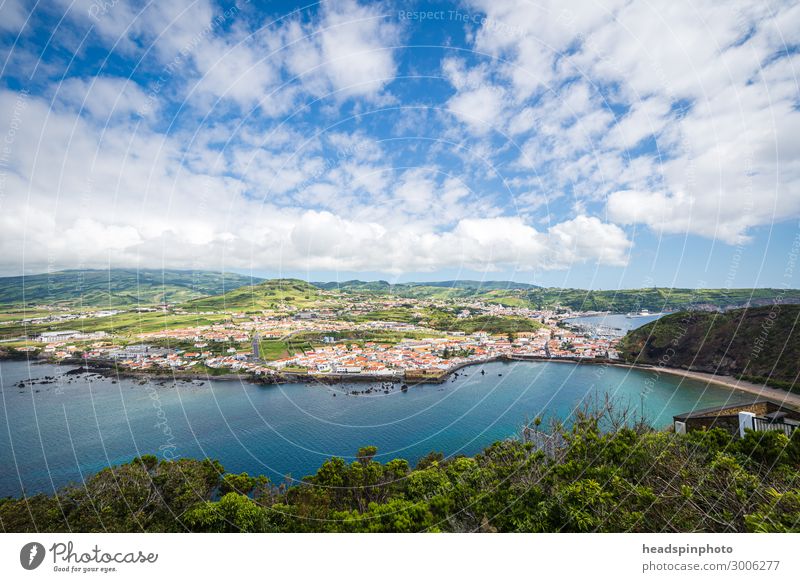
(125, 324)
(399, 315)
(256, 298)
(115, 287)
(16, 315)
(271, 350)
(622, 301)
(487, 323)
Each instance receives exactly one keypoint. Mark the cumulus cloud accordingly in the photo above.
(104, 97)
(682, 118)
(163, 29)
(84, 198)
(13, 15)
(356, 42)
(712, 94)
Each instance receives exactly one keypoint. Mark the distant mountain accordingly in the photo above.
(399, 288)
(263, 295)
(116, 287)
(657, 299)
(355, 286)
(509, 293)
(760, 343)
(121, 287)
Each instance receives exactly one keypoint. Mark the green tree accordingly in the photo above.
(232, 513)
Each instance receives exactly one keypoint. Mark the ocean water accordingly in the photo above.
(62, 432)
(618, 321)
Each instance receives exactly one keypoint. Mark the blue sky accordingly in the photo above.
(617, 145)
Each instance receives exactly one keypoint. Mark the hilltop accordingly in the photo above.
(759, 343)
(459, 284)
(208, 290)
(514, 294)
(115, 287)
(657, 299)
(263, 295)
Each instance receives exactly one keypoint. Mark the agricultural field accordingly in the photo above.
(115, 287)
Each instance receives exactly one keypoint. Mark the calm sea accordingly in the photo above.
(618, 321)
(53, 434)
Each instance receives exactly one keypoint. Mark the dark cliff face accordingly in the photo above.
(759, 342)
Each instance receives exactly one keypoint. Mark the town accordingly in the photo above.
(338, 336)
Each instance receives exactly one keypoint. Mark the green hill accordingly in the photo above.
(503, 292)
(356, 285)
(122, 287)
(525, 295)
(657, 298)
(115, 287)
(264, 295)
(759, 343)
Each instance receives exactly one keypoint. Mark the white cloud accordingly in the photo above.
(715, 89)
(164, 29)
(90, 199)
(645, 118)
(580, 91)
(481, 108)
(586, 237)
(104, 97)
(354, 44)
(13, 15)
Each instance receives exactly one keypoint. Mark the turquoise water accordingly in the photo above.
(52, 434)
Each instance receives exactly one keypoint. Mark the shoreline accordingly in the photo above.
(776, 394)
(109, 369)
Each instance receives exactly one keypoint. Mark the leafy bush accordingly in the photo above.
(622, 479)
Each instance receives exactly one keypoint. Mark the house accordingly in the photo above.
(57, 336)
(736, 418)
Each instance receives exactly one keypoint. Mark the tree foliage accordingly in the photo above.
(598, 479)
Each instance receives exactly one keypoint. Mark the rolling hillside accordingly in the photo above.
(761, 343)
(115, 287)
(503, 292)
(525, 295)
(213, 290)
(658, 299)
(381, 286)
(264, 295)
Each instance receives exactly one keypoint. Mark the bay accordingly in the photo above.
(620, 322)
(61, 432)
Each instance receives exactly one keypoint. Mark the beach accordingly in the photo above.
(776, 394)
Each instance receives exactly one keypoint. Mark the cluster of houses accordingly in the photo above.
(239, 334)
(436, 355)
(267, 328)
(224, 332)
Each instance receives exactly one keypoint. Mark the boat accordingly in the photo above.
(642, 313)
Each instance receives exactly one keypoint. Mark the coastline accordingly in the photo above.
(776, 394)
(110, 369)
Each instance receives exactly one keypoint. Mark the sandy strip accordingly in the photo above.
(776, 394)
